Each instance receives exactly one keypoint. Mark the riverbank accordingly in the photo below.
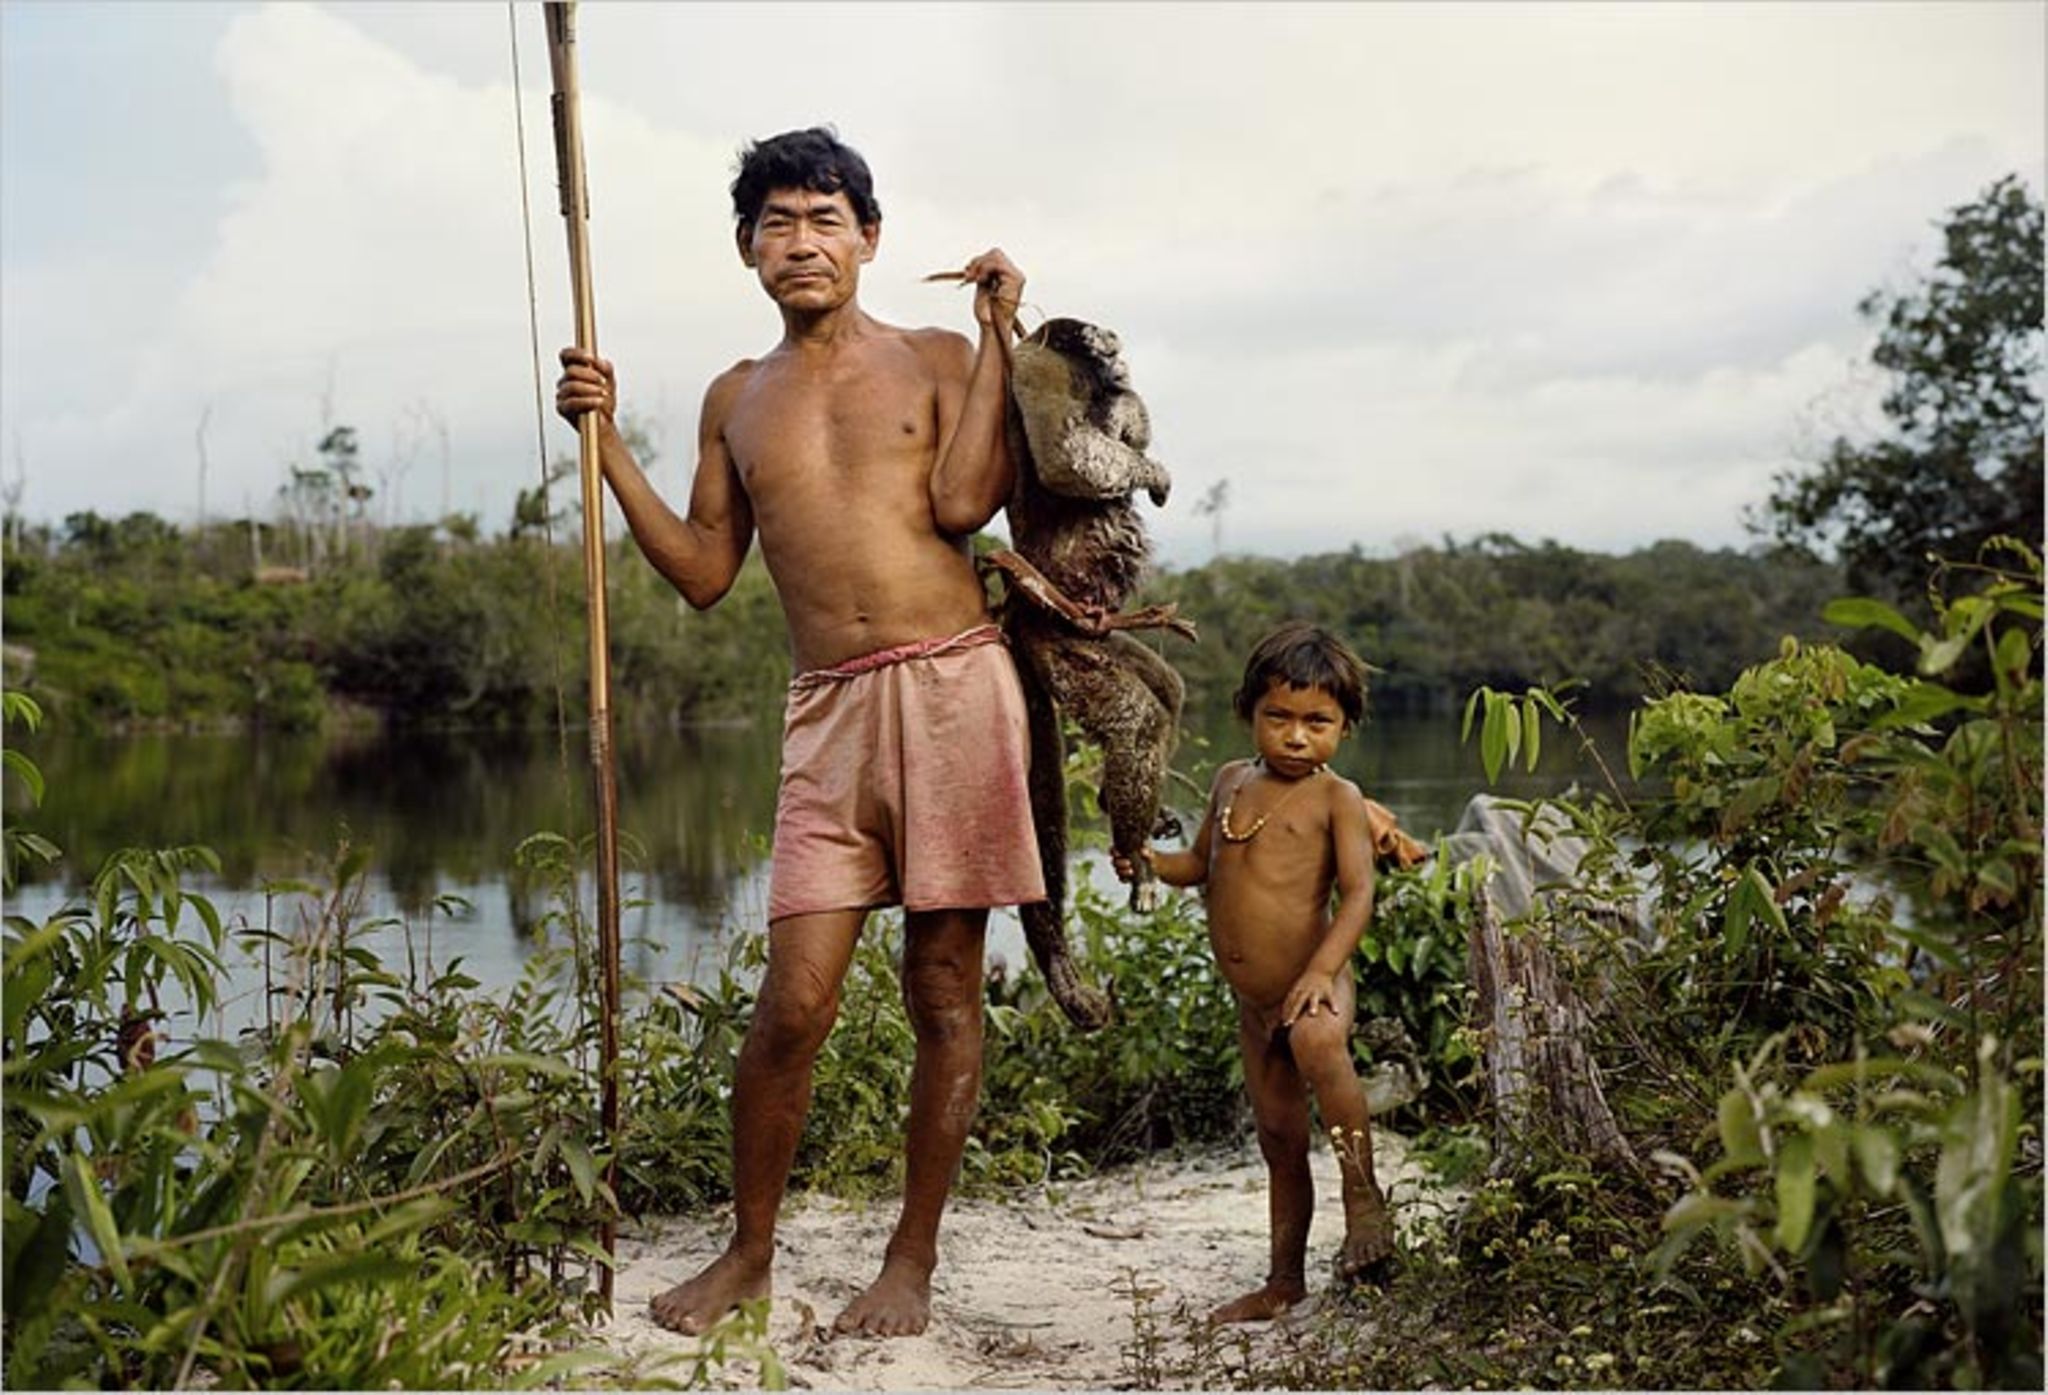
(1059, 1289)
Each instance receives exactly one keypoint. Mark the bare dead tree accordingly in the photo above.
(1533, 1025)
(199, 440)
(12, 494)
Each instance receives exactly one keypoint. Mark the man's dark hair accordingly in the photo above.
(1302, 655)
(811, 159)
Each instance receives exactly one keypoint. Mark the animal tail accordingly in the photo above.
(1045, 929)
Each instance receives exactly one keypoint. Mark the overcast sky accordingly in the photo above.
(1574, 271)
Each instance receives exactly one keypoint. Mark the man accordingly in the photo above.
(865, 456)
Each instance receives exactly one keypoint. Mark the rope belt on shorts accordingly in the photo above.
(896, 654)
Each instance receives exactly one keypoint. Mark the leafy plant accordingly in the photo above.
(1887, 1184)
(1412, 969)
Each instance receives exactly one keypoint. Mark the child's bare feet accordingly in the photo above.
(897, 1304)
(692, 1306)
(1264, 1303)
(1368, 1233)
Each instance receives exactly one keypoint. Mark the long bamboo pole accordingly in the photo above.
(561, 17)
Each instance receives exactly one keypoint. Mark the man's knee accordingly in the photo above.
(943, 998)
(794, 1011)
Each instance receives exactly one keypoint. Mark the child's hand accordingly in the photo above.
(1312, 993)
(1121, 865)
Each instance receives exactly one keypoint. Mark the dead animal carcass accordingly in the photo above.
(1079, 435)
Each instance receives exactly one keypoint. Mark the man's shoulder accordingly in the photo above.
(729, 384)
(736, 376)
(946, 350)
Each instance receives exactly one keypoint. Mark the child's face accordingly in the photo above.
(1296, 729)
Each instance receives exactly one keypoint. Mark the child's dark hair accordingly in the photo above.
(1302, 655)
(813, 159)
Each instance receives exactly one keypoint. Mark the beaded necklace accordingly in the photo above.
(1230, 804)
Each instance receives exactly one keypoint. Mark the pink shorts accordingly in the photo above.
(903, 782)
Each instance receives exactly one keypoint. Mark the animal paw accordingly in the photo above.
(1145, 896)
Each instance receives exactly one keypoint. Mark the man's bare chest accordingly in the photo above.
(819, 428)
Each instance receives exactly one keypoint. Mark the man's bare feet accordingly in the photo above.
(1262, 1304)
(1368, 1234)
(897, 1304)
(692, 1306)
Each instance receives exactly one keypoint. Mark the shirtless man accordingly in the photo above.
(866, 456)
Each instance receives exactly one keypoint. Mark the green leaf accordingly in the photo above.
(582, 1168)
(1696, 1209)
(1831, 1151)
(22, 766)
(1835, 1074)
(1923, 702)
(17, 706)
(413, 1216)
(1962, 621)
(1940, 845)
(1977, 1140)
(548, 1374)
(553, 1067)
(1998, 876)
(353, 1267)
(1860, 612)
(83, 1191)
(1740, 1138)
(1532, 733)
(1795, 1188)
(1735, 918)
(1877, 1157)
(1493, 740)
(1766, 898)
(2014, 657)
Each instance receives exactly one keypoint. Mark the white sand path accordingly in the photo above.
(1032, 1293)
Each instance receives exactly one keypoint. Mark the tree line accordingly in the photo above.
(136, 622)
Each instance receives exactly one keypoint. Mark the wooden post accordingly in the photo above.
(1537, 1065)
(561, 18)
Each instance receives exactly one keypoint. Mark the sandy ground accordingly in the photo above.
(1030, 1294)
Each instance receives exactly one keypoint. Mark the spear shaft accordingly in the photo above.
(561, 18)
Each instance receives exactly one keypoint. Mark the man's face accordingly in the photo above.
(808, 248)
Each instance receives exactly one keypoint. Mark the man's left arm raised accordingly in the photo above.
(972, 476)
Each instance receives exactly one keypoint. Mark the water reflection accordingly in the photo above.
(443, 813)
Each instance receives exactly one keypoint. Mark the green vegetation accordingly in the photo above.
(1826, 1046)
(1437, 622)
(1822, 1049)
(137, 623)
(388, 1150)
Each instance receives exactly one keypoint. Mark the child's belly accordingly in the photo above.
(1262, 958)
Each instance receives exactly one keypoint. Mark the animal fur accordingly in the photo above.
(1079, 435)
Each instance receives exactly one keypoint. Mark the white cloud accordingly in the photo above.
(1579, 271)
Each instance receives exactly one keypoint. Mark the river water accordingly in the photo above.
(442, 814)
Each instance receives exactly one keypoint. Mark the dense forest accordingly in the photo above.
(1754, 1097)
(136, 622)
